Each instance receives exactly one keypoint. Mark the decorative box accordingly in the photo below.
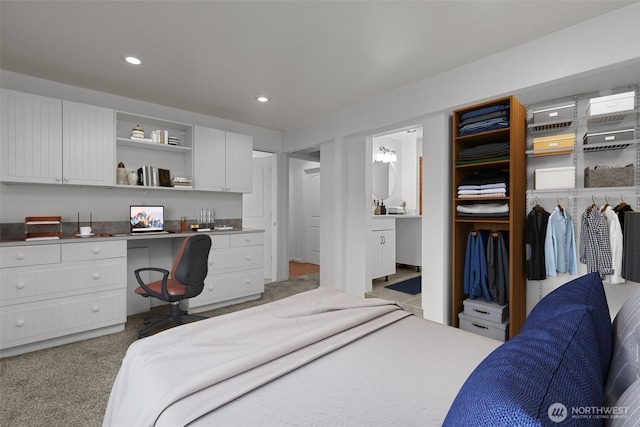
(555, 178)
(497, 331)
(486, 310)
(550, 145)
(610, 136)
(611, 103)
(609, 177)
(560, 112)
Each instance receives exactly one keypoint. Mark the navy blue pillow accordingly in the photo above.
(552, 366)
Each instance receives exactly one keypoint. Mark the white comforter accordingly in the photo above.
(179, 375)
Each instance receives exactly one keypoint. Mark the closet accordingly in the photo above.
(493, 149)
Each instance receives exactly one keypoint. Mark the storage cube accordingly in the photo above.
(611, 103)
(555, 178)
(560, 112)
(497, 331)
(554, 143)
(609, 136)
(609, 177)
(486, 310)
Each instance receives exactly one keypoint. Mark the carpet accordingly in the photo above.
(412, 286)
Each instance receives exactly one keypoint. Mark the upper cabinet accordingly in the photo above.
(223, 161)
(87, 144)
(31, 138)
(50, 141)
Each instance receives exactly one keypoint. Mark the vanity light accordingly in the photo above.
(133, 60)
(386, 155)
(262, 99)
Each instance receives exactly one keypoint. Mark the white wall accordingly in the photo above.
(577, 59)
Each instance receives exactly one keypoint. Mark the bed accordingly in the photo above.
(326, 358)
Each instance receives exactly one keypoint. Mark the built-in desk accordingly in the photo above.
(54, 292)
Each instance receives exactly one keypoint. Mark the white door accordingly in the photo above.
(257, 211)
(312, 202)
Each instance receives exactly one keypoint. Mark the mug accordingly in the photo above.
(85, 231)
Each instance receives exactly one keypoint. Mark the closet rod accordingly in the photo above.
(585, 196)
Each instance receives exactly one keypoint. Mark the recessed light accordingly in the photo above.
(133, 60)
(262, 99)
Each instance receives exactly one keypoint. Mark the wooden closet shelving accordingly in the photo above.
(515, 135)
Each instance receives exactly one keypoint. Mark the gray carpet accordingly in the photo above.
(70, 385)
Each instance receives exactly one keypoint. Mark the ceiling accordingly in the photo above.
(311, 58)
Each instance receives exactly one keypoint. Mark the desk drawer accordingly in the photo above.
(219, 242)
(28, 284)
(226, 287)
(87, 251)
(26, 323)
(238, 258)
(247, 239)
(19, 256)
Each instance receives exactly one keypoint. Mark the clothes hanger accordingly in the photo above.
(606, 205)
(593, 205)
(559, 205)
(621, 205)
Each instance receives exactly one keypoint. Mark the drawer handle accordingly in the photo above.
(480, 311)
(19, 323)
(20, 256)
(480, 326)
(96, 276)
(95, 308)
(211, 288)
(20, 285)
(248, 239)
(210, 262)
(248, 258)
(96, 250)
(248, 281)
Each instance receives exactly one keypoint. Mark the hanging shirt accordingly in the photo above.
(475, 266)
(595, 250)
(498, 266)
(560, 244)
(537, 221)
(615, 244)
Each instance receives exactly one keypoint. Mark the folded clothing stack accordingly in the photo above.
(485, 184)
(484, 119)
(483, 153)
(484, 210)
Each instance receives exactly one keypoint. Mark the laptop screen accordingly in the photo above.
(146, 218)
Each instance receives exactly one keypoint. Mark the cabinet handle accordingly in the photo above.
(58, 178)
(19, 323)
(20, 256)
(20, 285)
(248, 281)
(248, 239)
(66, 178)
(211, 288)
(210, 262)
(95, 308)
(248, 258)
(96, 276)
(96, 250)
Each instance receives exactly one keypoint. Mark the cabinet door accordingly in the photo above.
(209, 159)
(239, 156)
(88, 148)
(31, 138)
(383, 250)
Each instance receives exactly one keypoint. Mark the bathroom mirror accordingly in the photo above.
(384, 180)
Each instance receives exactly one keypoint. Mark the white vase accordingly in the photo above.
(121, 176)
(133, 178)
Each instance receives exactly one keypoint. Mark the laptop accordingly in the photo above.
(147, 219)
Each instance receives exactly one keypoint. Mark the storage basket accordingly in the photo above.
(609, 177)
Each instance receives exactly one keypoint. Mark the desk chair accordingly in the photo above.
(186, 281)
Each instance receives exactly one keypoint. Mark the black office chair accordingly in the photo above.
(186, 281)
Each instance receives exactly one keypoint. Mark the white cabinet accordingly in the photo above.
(31, 138)
(383, 247)
(88, 145)
(58, 293)
(236, 271)
(50, 141)
(223, 161)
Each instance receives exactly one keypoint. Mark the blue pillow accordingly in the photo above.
(552, 366)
